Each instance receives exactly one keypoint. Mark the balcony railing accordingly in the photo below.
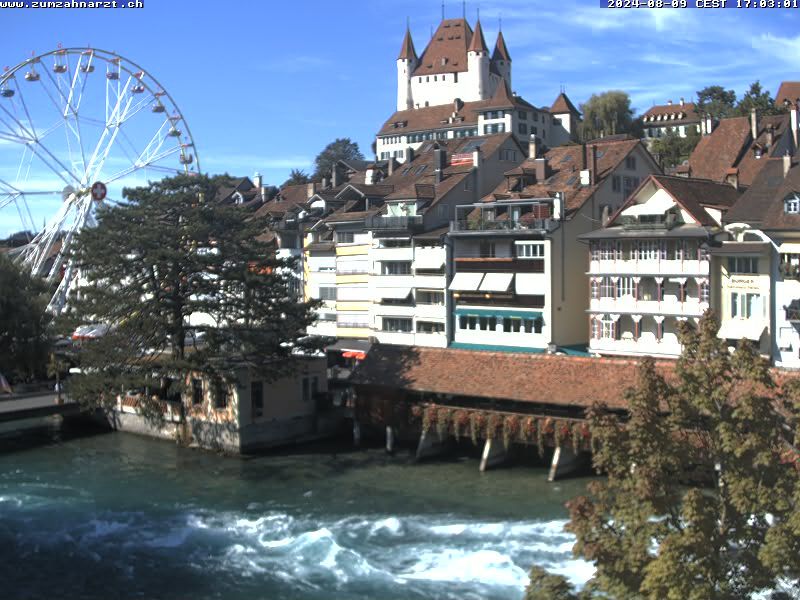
(504, 225)
(395, 223)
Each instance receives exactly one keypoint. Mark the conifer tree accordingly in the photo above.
(183, 285)
(700, 498)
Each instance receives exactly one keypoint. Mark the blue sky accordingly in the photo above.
(265, 85)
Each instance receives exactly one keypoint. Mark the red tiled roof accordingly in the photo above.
(407, 50)
(564, 166)
(500, 50)
(686, 113)
(762, 205)
(478, 43)
(730, 145)
(447, 50)
(563, 104)
(536, 378)
(789, 90)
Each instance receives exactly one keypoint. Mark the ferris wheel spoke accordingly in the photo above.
(60, 174)
(148, 164)
(21, 98)
(12, 134)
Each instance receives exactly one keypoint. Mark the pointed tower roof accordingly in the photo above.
(563, 104)
(502, 95)
(446, 52)
(407, 51)
(478, 43)
(500, 50)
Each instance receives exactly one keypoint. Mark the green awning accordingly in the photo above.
(499, 313)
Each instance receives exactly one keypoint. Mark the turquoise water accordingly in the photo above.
(119, 516)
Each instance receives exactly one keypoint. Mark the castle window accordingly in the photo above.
(455, 77)
(523, 115)
(522, 128)
(434, 78)
(427, 79)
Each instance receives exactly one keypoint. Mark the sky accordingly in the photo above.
(265, 85)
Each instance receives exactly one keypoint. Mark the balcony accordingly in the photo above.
(645, 345)
(502, 226)
(387, 223)
(691, 307)
(392, 254)
(689, 267)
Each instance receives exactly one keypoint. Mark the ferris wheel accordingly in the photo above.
(76, 126)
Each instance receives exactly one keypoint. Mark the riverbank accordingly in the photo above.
(116, 515)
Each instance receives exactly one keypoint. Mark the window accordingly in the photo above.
(306, 389)
(530, 250)
(221, 394)
(536, 116)
(487, 249)
(396, 268)
(616, 183)
(344, 237)
(607, 328)
(607, 288)
(705, 292)
(395, 325)
(522, 129)
(430, 297)
(649, 250)
(327, 293)
(508, 155)
(429, 327)
(512, 324)
(630, 163)
(257, 398)
(468, 183)
(395, 243)
(629, 184)
(523, 115)
(455, 77)
(742, 265)
(625, 287)
(745, 306)
(197, 391)
(791, 206)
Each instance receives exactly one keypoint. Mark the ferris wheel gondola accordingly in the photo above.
(65, 132)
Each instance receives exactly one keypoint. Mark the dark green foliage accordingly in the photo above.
(23, 324)
(757, 98)
(700, 501)
(716, 101)
(339, 149)
(163, 255)
(606, 114)
(297, 177)
(672, 149)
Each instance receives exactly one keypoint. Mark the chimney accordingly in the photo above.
(540, 164)
(709, 125)
(793, 120)
(733, 178)
(593, 167)
(787, 163)
(439, 162)
(754, 123)
(682, 102)
(703, 126)
(334, 176)
(476, 158)
(558, 206)
(325, 183)
(311, 189)
(584, 166)
(390, 167)
(534, 148)
(770, 136)
(257, 181)
(369, 176)
(669, 102)
(409, 155)
(457, 105)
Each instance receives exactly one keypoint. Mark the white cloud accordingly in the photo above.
(785, 50)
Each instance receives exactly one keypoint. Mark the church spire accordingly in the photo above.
(478, 43)
(500, 50)
(407, 51)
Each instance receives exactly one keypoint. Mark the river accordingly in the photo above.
(119, 516)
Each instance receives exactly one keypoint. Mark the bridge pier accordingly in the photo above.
(494, 454)
(389, 439)
(565, 461)
(430, 445)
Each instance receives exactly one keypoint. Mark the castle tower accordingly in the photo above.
(501, 59)
(478, 63)
(406, 63)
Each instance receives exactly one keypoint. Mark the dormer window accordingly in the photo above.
(791, 205)
(444, 61)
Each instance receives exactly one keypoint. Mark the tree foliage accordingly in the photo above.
(757, 98)
(339, 149)
(297, 177)
(184, 286)
(23, 324)
(605, 114)
(716, 101)
(700, 499)
(672, 149)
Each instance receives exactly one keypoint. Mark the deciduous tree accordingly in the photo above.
(297, 177)
(702, 490)
(716, 101)
(339, 149)
(606, 114)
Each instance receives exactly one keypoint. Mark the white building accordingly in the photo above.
(518, 270)
(650, 266)
(681, 119)
(455, 89)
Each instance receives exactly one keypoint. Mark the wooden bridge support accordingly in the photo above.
(565, 461)
(494, 454)
(431, 445)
